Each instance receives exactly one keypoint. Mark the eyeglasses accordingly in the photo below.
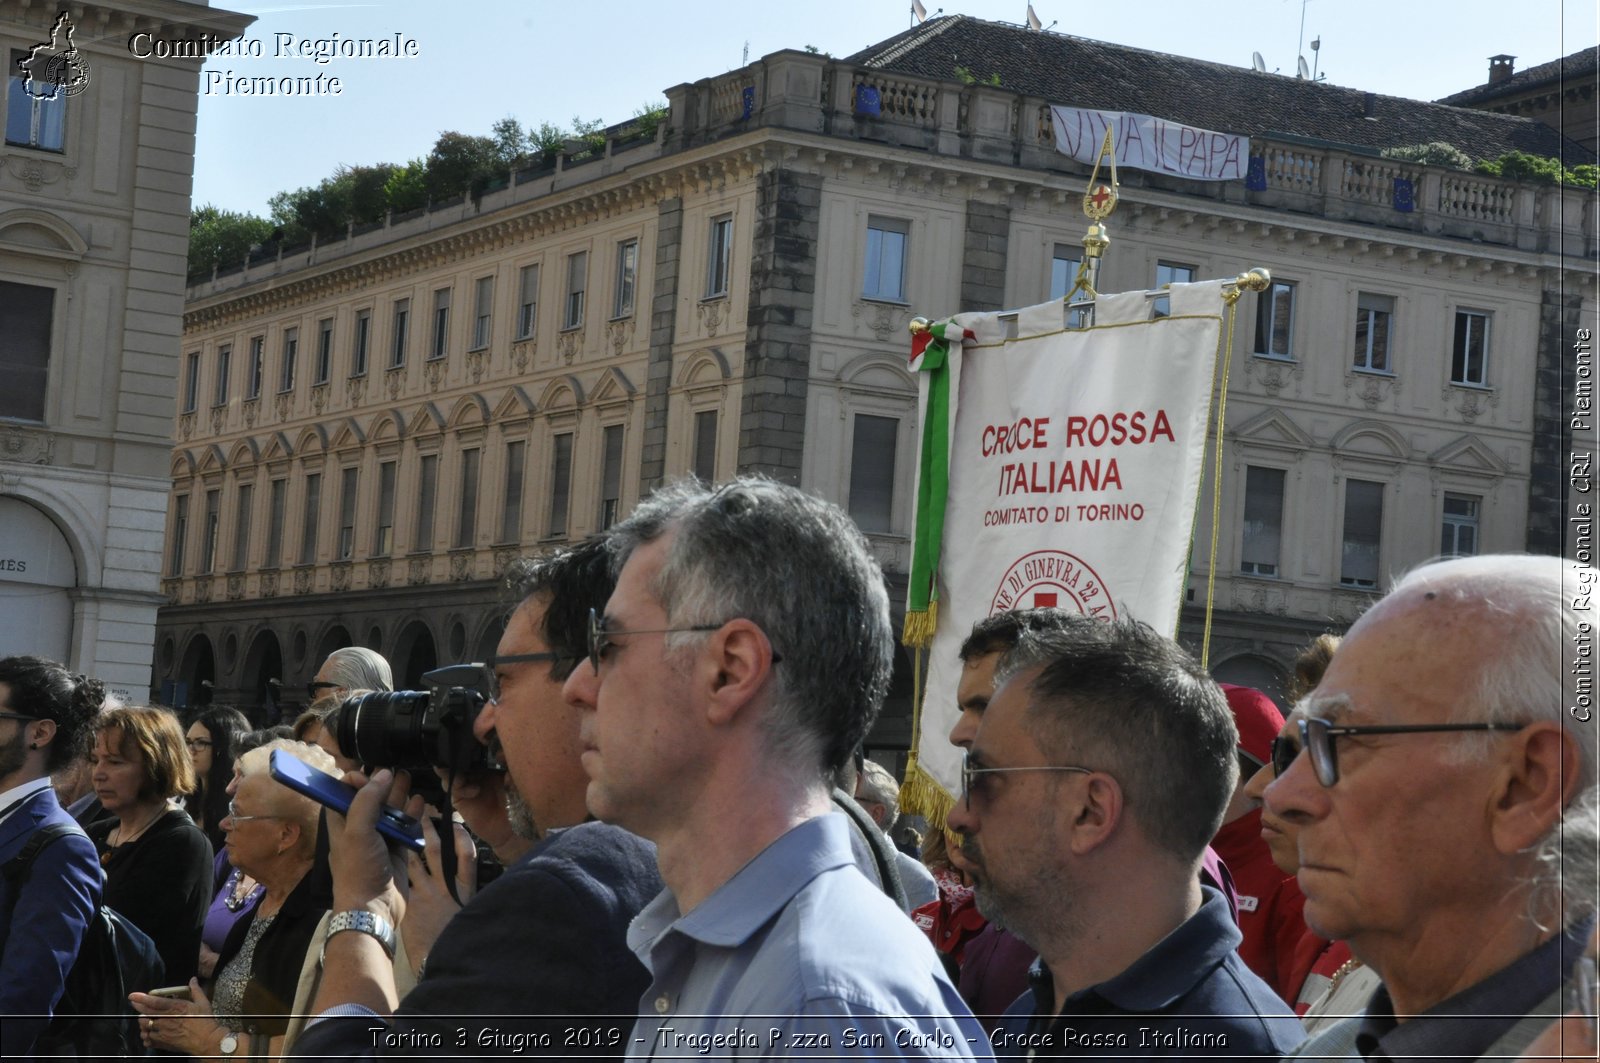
(971, 781)
(315, 688)
(197, 744)
(18, 716)
(1317, 735)
(491, 679)
(600, 638)
(234, 815)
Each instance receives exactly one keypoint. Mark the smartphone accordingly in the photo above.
(172, 992)
(337, 794)
(1583, 990)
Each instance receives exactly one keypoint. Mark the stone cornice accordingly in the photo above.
(107, 25)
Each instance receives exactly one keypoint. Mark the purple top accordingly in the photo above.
(219, 917)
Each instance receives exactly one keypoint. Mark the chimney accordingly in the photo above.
(1500, 68)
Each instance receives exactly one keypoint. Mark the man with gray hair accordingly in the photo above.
(348, 669)
(1444, 803)
(1099, 771)
(739, 663)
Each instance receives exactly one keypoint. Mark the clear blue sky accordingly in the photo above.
(481, 60)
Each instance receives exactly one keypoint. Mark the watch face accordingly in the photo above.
(230, 1044)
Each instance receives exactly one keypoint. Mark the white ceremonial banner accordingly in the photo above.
(1075, 465)
(1146, 143)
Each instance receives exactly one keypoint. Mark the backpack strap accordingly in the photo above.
(18, 868)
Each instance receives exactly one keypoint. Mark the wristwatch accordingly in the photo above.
(363, 921)
(229, 1045)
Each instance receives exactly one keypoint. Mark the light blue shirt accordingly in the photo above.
(796, 955)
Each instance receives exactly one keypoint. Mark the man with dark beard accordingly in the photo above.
(547, 937)
(1096, 776)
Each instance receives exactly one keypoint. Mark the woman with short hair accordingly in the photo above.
(157, 862)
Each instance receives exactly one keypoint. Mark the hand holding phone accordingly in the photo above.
(173, 992)
(337, 794)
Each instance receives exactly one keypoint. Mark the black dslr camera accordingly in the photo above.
(418, 729)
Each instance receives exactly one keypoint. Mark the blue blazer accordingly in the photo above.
(42, 924)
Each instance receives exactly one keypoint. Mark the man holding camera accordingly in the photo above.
(546, 939)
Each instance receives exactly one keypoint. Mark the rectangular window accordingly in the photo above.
(258, 358)
(358, 347)
(627, 278)
(383, 536)
(482, 312)
(427, 487)
(511, 511)
(224, 360)
(884, 276)
(291, 348)
(191, 381)
(872, 455)
(180, 534)
(1064, 259)
(1263, 521)
(347, 513)
(527, 301)
(1460, 534)
(402, 322)
(1169, 273)
(1373, 314)
(441, 324)
(577, 277)
(467, 518)
(324, 367)
(1469, 358)
(241, 528)
(308, 532)
(560, 482)
(1275, 321)
(277, 503)
(208, 541)
(1363, 522)
(26, 313)
(719, 256)
(705, 446)
(36, 118)
(611, 476)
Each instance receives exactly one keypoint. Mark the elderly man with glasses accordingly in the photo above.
(1441, 781)
(1099, 771)
(739, 663)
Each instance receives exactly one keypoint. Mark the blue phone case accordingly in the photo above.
(337, 794)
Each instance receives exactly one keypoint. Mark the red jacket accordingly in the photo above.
(1270, 909)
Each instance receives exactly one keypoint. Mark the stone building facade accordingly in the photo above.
(94, 210)
(370, 429)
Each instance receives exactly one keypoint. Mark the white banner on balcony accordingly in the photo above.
(1074, 468)
(1146, 143)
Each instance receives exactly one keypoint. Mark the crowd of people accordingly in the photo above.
(698, 860)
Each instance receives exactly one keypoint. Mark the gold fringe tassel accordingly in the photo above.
(922, 796)
(920, 626)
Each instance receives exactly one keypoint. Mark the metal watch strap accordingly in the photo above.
(365, 922)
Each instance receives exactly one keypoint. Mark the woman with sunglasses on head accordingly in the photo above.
(157, 862)
(272, 835)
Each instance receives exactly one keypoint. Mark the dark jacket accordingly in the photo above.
(547, 938)
(281, 952)
(161, 881)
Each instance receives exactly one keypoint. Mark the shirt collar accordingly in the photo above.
(1469, 1023)
(14, 798)
(756, 893)
(1167, 971)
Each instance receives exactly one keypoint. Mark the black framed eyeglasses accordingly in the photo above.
(600, 638)
(315, 688)
(17, 716)
(491, 678)
(197, 744)
(972, 777)
(1318, 734)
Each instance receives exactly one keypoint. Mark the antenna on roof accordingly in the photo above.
(1316, 50)
(1258, 64)
(1303, 68)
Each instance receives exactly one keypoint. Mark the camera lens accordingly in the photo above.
(383, 728)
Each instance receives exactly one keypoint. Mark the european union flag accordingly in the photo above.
(748, 95)
(1404, 196)
(868, 102)
(1255, 178)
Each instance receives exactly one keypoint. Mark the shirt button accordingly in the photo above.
(663, 1003)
